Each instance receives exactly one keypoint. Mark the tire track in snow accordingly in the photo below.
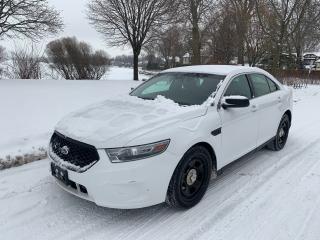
(142, 218)
(238, 169)
(250, 188)
(272, 193)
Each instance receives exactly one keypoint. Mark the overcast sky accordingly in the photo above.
(76, 24)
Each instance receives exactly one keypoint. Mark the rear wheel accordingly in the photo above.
(190, 179)
(282, 134)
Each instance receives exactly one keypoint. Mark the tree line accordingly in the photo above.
(210, 31)
(65, 58)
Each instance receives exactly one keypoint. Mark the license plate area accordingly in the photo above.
(60, 174)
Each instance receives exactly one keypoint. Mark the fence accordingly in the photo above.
(297, 78)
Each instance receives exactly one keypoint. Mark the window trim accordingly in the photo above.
(251, 86)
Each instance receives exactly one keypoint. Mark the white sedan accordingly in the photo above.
(167, 138)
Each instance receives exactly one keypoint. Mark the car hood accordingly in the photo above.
(114, 123)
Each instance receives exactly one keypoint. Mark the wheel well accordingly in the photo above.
(289, 115)
(211, 151)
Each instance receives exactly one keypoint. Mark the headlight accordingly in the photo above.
(126, 154)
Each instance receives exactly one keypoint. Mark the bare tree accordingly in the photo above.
(257, 44)
(285, 17)
(2, 58)
(307, 34)
(25, 63)
(151, 61)
(195, 13)
(170, 45)
(129, 22)
(2, 54)
(123, 61)
(220, 34)
(243, 11)
(30, 18)
(76, 60)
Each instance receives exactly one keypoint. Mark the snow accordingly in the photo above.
(268, 195)
(113, 73)
(118, 73)
(29, 109)
(124, 116)
(60, 162)
(215, 69)
(237, 97)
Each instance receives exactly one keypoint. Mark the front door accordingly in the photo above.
(239, 125)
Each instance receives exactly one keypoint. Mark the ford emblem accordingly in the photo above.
(65, 150)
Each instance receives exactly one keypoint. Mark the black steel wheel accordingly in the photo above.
(190, 179)
(282, 134)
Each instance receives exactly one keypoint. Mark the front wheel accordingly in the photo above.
(191, 178)
(282, 134)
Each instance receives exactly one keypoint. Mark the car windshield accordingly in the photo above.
(182, 88)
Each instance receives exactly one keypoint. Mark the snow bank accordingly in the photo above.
(119, 73)
(113, 73)
(29, 109)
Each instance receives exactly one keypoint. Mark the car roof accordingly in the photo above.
(215, 69)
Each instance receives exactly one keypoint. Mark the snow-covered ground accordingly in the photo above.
(29, 109)
(120, 73)
(268, 195)
(113, 73)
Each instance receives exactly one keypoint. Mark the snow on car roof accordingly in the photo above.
(213, 69)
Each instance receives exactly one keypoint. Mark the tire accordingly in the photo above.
(190, 179)
(282, 134)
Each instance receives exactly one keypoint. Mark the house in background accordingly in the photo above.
(186, 59)
(310, 59)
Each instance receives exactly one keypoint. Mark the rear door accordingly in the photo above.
(267, 101)
(239, 125)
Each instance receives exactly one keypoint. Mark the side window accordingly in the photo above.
(260, 85)
(239, 87)
(273, 86)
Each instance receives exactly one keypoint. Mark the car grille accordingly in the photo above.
(75, 156)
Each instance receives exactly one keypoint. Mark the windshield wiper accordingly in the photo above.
(144, 98)
(180, 103)
(183, 103)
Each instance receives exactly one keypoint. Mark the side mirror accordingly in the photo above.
(235, 102)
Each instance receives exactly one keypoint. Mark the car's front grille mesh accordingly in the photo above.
(73, 155)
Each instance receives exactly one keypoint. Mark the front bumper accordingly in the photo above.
(128, 185)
